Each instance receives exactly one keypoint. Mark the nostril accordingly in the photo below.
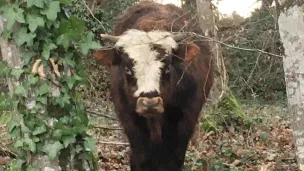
(158, 100)
(144, 102)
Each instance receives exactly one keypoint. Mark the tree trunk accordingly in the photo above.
(207, 25)
(291, 27)
(188, 5)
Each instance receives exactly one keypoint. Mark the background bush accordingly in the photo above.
(105, 12)
(254, 75)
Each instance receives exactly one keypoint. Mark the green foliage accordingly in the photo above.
(228, 112)
(44, 123)
(254, 75)
(15, 14)
(106, 12)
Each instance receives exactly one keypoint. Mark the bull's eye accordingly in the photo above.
(167, 71)
(128, 71)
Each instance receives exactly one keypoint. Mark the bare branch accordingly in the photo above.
(106, 127)
(220, 42)
(183, 73)
(234, 47)
(84, 2)
(113, 143)
(102, 115)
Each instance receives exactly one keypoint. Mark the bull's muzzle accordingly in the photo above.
(149, 106)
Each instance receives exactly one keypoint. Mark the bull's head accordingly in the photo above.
(146, 60)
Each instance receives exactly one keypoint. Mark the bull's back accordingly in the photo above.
(148, 16)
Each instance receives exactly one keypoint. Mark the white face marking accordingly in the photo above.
(147, 68)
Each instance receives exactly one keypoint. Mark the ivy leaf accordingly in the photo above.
(47, 50)
(2, 6)
(34, 21)
(4, 71)
(21, 36)
(67, 60)
(89, 144)
(37, 3)
(65, 1)
(88, 44)
(43, 89)
(27, 56)
(6, 34)
(52, 10)
(73, 28)
(12, 127)
(52, 149)
(42, 100)
(32, 79)
(17, 73)
(67, 140)
(70, 81)
(30, 143)
(18, 143)
(13, 14)
(20, 90)
(63, 40)
(64, 100)
(24, 128)
(39, 130)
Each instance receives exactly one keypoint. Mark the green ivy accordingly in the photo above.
(53, 126)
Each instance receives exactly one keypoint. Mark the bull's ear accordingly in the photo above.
(192, 51)
(105, 57)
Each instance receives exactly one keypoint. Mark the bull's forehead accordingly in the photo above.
(147, 66)
(135, 37)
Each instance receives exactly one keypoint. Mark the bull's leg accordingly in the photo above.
(172, 154)
(185, 130)
(139, 142)
(175, 160)
(138, 161)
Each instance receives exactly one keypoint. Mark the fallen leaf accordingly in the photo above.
(3, 160)
(265, 167)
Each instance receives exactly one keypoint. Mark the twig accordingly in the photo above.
(113, 143)
(106, 127)
(84, 2)
(56, 83)
(179, 17)
(102, 115)
(225, 44)
(183, 73)
(234, 47)
(251, 50)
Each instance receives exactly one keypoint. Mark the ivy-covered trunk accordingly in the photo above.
(291, 26)
(41, 46)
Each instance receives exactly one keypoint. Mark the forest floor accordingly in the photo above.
(263, 143)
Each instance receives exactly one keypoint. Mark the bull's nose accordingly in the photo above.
(150, 102)
(147, 105)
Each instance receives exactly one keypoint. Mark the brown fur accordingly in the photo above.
(160, 143)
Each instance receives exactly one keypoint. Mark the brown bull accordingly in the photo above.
(158, 83)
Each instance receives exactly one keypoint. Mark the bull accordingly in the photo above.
(159, 82)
